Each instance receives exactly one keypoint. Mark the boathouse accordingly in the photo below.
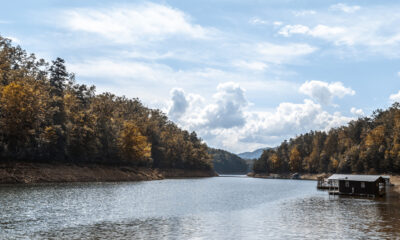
(361, 185)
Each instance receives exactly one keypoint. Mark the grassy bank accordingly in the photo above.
(21, 172)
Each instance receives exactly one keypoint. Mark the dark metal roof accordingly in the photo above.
(351, 177)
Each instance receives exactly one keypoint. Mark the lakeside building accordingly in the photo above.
(360, 185)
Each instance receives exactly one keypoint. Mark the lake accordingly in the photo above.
(227, 207)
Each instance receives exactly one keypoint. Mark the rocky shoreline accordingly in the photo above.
(26, 173)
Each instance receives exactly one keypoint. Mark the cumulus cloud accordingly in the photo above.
(227, 122)
(395, 97)
(357, 112)
(148, 21)
(324, 92)
(179, 103)
(272, 127)
(345, 8)
(289, 119)
(227, 111)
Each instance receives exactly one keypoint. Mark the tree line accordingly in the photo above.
(227, 163)
(45, 116)
(367, 145)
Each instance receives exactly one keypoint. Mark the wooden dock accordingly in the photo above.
(323, 184)
(337, 193)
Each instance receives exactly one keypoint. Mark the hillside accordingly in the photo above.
(252, 155)
(367, 145)
(46, 117)
(227, 163)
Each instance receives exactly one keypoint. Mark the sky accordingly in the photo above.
(242, 74)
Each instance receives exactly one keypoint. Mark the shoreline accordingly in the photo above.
(307, 176)
(28, 173)
(394, 179)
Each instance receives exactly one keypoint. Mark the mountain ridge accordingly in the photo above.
(254, 154)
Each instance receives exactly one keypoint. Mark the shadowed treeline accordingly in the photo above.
(227, 163)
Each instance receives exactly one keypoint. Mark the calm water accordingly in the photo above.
(212, 208)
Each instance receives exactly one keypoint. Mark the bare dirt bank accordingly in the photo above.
(41, 172)
(287, 176)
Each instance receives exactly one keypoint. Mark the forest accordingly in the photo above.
(366, 145)
(227, 163)
(45, 116)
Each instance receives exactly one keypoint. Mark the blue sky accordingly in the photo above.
(243, 74)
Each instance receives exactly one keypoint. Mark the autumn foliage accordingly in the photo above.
(367, 145)
(45, 116)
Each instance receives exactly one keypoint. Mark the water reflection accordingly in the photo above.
(215, 208)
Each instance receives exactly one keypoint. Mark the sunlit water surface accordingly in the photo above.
(210, 208)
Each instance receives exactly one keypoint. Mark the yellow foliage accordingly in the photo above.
(334, 163)
(133, 144)
(49, 135)
(376, 137)
(275, 164)
(22, 107)
(295, 160)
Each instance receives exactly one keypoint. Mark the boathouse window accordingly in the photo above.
(347, 184)
(362, 184)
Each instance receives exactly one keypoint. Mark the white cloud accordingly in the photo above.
(145, 22)
(254, 65)
(357, 112)
(179, 104)
(395, 97)
(272, 127)
(345, 8)
(293, 118)
(134, 78)
(320, 31)
(120, 69)
(227, 111)
(283, 53)
(324, 92)
(398, 74)
(277, 23)
(369, 32)
(228, 123)
(256, 21)
(293, 29)
(327, 32)
(304, 13)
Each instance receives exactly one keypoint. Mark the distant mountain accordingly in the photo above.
(254, 154)
(227, 163)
